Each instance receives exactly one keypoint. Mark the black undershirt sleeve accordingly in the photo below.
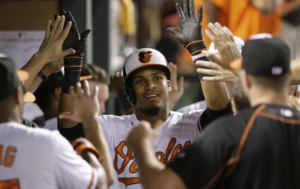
(210, 115)
(71, 133)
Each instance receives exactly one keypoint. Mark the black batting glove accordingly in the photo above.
(191, 36)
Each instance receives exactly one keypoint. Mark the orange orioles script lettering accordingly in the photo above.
(145, 56)
(126, 156)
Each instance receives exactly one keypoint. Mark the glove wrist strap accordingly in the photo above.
(196, 47)
(81, 144)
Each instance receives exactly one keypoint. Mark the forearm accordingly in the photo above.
(66, 105)
(150, 169)
(216, 95)
(295, 68)
(94, 133)
(91, 159)
(33, 66)
(212, 11)
(37, 81)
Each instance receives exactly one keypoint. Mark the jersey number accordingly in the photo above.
(8, 155)
(9, 184)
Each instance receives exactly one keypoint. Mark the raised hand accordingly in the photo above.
(116, 83)
(216, 72)
(294, 99)
(51, 48)
(85, 104)
(176, 90)
(225, 44)
(144, 132)
(53, 67)
(191, 36)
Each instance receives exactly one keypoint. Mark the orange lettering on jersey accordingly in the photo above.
(119, 151)
(172, 150)
(9, 156)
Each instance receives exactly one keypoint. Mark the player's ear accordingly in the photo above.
(18, 96)
(169, 85)
(57, 93)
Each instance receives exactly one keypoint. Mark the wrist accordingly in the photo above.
(41, 58)
(88, 119)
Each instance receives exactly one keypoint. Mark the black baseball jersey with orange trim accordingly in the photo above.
(258, 148)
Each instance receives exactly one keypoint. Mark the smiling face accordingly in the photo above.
(151, 89)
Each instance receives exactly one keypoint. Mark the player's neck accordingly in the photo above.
(269, 97)
(163, 115)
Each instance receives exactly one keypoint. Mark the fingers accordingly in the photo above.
(55, 26)
(47, 33)
(192, 9)
(65, 33)
(60, 27)
(179, 13)
(181, 84)
(85, 34)
(229, 33)
(72, 93)
(68, 52)
(208, 64)
(200, 13)
(78, 89)
(185, 9)
(213, 56)
(86, 88)
(215, 78)
(173, 69)
(208, 71)
(174, 31)
(95, 92)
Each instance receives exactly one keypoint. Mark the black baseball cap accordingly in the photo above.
(264, 57)
(10, 79)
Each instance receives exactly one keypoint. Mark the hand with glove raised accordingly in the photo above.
(73, 63)
(191, 36)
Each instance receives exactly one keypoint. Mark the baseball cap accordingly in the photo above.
(145, 57)
(10, 79)
(264, 56)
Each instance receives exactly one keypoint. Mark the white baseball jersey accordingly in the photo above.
(176, 134)
(196, 106)
(38, 158)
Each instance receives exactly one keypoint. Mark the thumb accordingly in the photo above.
(181, 84)
(213, 56)
(174, 31)
(68, 52)
(85, 34)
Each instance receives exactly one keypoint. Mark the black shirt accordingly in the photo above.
(257, 148)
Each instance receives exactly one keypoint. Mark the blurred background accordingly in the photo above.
(121, 26)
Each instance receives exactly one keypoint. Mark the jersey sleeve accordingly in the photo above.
(71, 171)
(200, 163)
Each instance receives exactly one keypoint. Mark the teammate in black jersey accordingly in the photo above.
(258, 148)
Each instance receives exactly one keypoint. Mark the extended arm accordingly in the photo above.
(86, 110)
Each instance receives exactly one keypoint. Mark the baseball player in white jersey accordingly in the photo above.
(147, 86)
(37, 158)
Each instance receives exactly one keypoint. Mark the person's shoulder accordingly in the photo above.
(113, 117)
(33, 134)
